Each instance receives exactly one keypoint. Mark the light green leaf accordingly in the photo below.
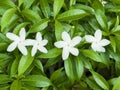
(116, 85)
(57, 6)
(6, 4)
(16, 85)
(6, 18)
(51, 53)
(113, 43)
(41, 25)
(100, 80)
(45, 8)
(24, 63)
(58, 30)
(39, 65)
(69, 69)
(27, 3)
(20, 2)
(37, 81)
(73, 14)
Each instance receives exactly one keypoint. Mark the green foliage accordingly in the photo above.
(89, 70)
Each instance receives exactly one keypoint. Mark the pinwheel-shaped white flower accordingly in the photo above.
(68, 45)
(18, 41)
(39, 44)
(97, 42)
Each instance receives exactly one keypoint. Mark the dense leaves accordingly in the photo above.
(90, 70)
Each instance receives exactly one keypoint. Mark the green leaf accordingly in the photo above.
(27, 3)
(31, 15)
(94, 56)
(79, 67)
(57, 6)
(41, 25)
(6, 18)
(113, 43)
(51, 53)
(6, 4)
(39, 65)
(18, 27)
(92, 84)
(100, 80)
(115, 1)
(56, 74)
(45, 8)
(101, 18)
(58, 30)
(4, 79)
(37, 81)
(69, 69)
(20, 2)
(116, 85)
(24, 63)
(73, 14)
(16, 85)
(14, 67)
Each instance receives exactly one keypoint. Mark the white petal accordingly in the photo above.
(89, 38)
(38, 36)
(97, 47)
(104, 42)
(76, 40)
(60, 44)
(29, 42)
(22, 49)
(74, 51)
(66, 37)
(12, 36)
(43, 49)
(98, 35)
(12, 46)
(65, 53)
(22, 34)
(44, 42)
(34, 50)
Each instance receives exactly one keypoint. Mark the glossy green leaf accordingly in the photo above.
(58, 30)
(6, 4)
(57, 6)
(24, 63)
(27, 3)
(100, 80)
(69, 69)
(31, 15)
(39, 65)
(51, 53)
(45, 8)
(92, 84)
(113, 43)
(94, 56)
(41, 25)
(72, 14)
(7, 16)
(37, 81)
(116, 85)
(16, 85)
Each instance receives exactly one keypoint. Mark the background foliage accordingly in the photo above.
(89, 71)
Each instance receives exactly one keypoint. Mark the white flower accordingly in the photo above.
(97, 41)
(68, 45)
(18, 41)
(103, 2)
(38, 44)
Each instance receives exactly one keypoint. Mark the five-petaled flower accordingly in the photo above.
(18, 41)
(39, 44)
(97, 41)
(68, 45)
